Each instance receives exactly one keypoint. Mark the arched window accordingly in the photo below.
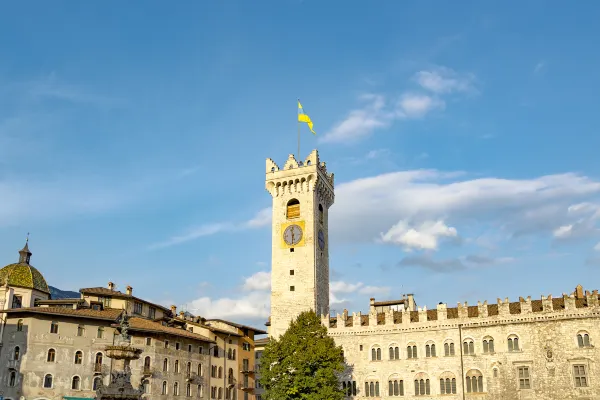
(164, 388)
(51, 355)
(176, 389)
(16, 353)
(320, 213)
(233, 354)
(474, 381)
(188, 390)
(165, 365)
(147, 362)
(293, 209)
(229, 354)
(98, 360)
(188, 368)
(449, 349)
(394, 352)
(220, 372)
(230, 376)
(78, 357)
(220, 395)
(76, 383)
(583, 339)
(422, 386)
(20, 325)
(411, 351)
(146, 386)
(176, 366)
(513, 343)
(200, 394)
(468, 347)
(430, 350)
(488, 345)
(376, 353)
(372, 389)
(100, 332)
(97, 383)
(395, 387)
(12, 380)
(447, 383)
(48, 381)
(200, 370)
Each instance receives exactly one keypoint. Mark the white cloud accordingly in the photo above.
(425, 236)
(413, 105)
(380, 112)
(262, 218)
(252, 304)
(563, 231)
(597, 247)
(344, 287)
(340, 287)
(442, 80)
(259, 281)
(375, 290)
(539, 67)
(364, 207)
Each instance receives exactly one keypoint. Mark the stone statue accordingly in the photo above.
(124, 325)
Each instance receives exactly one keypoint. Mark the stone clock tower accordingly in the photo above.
(302, 194)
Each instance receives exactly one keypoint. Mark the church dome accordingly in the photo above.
(24, 275)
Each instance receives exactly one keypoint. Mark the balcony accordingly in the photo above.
(193, 378)
(13, 364)
(98, 368)
(247, 369)
(147, 371)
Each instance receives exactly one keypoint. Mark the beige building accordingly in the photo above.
(54, 349)
(529, 349)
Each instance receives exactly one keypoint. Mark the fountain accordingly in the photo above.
(122, 352)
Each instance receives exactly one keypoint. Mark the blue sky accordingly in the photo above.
(463, 138)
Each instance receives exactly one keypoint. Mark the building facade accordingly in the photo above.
(529, 349)
(54, 348)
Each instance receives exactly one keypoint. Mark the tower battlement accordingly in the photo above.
(298, 176)
(567, 306)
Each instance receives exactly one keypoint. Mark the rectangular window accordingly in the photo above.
(292, 288)
(137, 308)
(291, 272)
(189, 348)
(177, 345)
(148, 341)
(166, 344)
(152, 313)
(17, 301)
(245, 364)
(54, 327)
(524, 378)
(80, 330)
(105, 301)
(580, 375)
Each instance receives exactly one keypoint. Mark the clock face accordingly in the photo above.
(292, 235)
(321, 239)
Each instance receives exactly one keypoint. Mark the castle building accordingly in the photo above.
(54, 348)
(528, 349)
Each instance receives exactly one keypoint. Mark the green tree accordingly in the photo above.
(303, 363)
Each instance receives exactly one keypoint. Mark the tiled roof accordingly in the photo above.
(109, 314)
(146, 325)
(101, 291)
(261, 341)
(25, 276)
(60, 301)
(257, 331)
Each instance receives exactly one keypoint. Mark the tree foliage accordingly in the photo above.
(303, 363)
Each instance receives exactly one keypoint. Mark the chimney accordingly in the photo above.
(181, 315)
(111, 286)
(129, 290)
(411, 306)
(579, 292)
(174, 310)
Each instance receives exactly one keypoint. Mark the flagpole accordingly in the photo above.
(298, 122)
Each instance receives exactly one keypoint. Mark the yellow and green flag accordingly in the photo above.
(305, 118)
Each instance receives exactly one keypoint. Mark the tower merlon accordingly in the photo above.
(310, 174)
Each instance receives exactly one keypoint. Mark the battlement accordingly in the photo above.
(298, 176)
(576, 303)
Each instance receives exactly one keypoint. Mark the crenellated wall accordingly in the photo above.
(547, 332)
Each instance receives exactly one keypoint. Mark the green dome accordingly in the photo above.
(25, 276)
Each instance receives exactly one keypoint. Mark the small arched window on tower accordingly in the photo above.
(293, 209)
(321, 213)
